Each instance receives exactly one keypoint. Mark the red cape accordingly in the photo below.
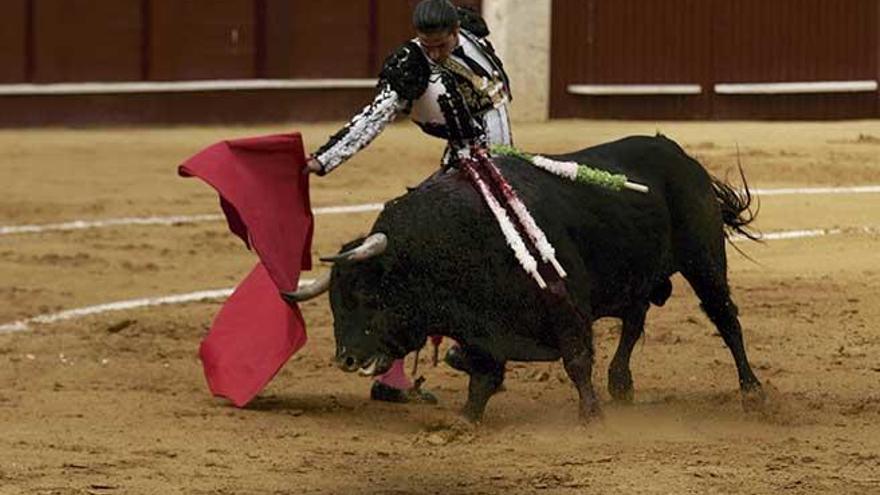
(265, 196)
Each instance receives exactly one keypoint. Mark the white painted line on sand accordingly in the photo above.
(337, 210)
(800, 234)
(171, 220)
(69, 314)
(22, 325)
(110, 222)
(817, 190)
(790, 234)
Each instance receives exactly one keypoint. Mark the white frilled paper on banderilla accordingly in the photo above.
(573, 171)
(481, 162)
(508, 227)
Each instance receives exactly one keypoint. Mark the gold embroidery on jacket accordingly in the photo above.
(480, 93)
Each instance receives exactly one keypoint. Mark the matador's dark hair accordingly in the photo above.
(433, 16)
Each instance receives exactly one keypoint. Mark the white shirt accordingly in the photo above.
(424, 110)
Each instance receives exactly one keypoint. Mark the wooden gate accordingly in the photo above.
(72, 61)
(715, 58)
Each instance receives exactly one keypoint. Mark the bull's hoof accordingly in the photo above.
(382, 392)
(620, 386)
(754, 399)
(472, 417)
(621, 394)
(590, 412)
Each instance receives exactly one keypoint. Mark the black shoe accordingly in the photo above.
(387, 393)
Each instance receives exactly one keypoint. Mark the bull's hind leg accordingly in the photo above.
(576, 347)
(620, 382)
(712, 289)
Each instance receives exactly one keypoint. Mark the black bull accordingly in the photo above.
(447, 270)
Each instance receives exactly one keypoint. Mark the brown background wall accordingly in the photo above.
(105, 49)
(796, 40)
(322, 40)
(13, 35)
(629, 42)
(166, 40)
(56, 41)
(199, 39)
(714, 41)
(593, 42)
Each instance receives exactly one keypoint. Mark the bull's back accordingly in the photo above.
(616, 245)
(687, 191)
(631, 240)
(678, 181)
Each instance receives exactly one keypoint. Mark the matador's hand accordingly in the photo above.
(313, 166)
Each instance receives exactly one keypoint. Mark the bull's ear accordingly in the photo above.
(311, 291)
(374, 245)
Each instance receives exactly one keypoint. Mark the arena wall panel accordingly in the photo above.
(339, 45)
(343, 39)
(209, 107)
(712, 42)
(106, 47)
(796, 40)
(201, 39)
(625, 42)
(598, 47)
(275, 18)
(320, 39)
(393, 21)
(13, 41)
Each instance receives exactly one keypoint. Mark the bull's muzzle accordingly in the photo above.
(347, 363)
(368, 367)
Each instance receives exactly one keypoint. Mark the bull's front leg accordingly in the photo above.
(576, 347)
(486, 378)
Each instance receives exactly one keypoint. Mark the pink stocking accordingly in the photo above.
(396, 377)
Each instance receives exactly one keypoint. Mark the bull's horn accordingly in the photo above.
(310, 291)
(372, 246)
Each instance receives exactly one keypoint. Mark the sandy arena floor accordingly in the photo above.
(116, 403)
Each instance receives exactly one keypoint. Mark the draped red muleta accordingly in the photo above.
(265, 197)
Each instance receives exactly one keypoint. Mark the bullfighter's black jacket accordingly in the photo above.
(411, 83)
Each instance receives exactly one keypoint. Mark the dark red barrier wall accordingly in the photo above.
(796, 40)
(51, 41)
(630, 42)
(201, 39)
(714, 41)
(320, 39)
(338, 39)
(86, 40)
(45, 41)
(702, 42)
(13, 35)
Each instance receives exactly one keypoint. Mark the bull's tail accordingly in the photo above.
(736, 207)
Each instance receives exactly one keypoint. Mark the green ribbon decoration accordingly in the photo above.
(503, 149)
(585, 174)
